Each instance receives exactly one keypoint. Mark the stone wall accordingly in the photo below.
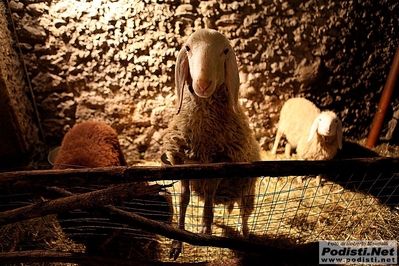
(19, 131)
(114, 60)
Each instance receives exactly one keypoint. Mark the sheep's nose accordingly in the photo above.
(327, 130)
(324, 130)
(203, 85)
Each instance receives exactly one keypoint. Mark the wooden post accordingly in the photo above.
(384, 101)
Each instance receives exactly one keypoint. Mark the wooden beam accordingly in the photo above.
(37, 179)
(90, 200)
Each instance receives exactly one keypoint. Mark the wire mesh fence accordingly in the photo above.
(356, 201)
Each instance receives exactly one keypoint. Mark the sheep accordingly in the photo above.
(95, 144)
(90, 144)
(316, 135)
(210, 127)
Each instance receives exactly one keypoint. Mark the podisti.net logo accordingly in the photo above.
(358, 252)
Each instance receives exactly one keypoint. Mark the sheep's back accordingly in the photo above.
(296, 118)
(90, 144)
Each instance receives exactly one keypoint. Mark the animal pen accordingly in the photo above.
(357, 201)
(113, 61)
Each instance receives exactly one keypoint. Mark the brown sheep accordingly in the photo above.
(90, 144)
(95, 144)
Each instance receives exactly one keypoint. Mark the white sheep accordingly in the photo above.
(210, 127)
(314, 134)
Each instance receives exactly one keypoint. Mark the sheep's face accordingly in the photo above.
(328, 122)
(207, 52)
(205, 62)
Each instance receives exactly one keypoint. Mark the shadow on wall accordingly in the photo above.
(353, 75)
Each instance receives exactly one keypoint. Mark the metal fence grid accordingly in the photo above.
(347, 206)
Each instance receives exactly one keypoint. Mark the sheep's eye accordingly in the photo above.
(226, 51)
(188, 48)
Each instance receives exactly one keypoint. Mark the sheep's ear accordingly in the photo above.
(313, 129)
(339, 134)
(232, 79)
(182, 74)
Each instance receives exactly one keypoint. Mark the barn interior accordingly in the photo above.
(64, 62)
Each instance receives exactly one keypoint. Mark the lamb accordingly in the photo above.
(316, 135)
(210, 127)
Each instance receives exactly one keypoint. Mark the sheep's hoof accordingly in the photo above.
(175, 250)
(318, 180)
(245, 231)
(165, 159)
(206, 230)
(299, 180)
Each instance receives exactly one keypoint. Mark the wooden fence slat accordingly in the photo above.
(88, 200)
(35, 179)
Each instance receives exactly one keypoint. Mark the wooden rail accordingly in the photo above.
(123, 178)
(35, 179)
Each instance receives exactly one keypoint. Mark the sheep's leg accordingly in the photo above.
(246, 208)
(318, 180)
(288, 149)
(209, 187)
(184, 201)
(276, 142)
(299, 179)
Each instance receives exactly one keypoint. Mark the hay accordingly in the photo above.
(286, 215)
(290, 214)
(42, 233)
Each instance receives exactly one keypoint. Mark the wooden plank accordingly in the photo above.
(37, 179)
(88, 200)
